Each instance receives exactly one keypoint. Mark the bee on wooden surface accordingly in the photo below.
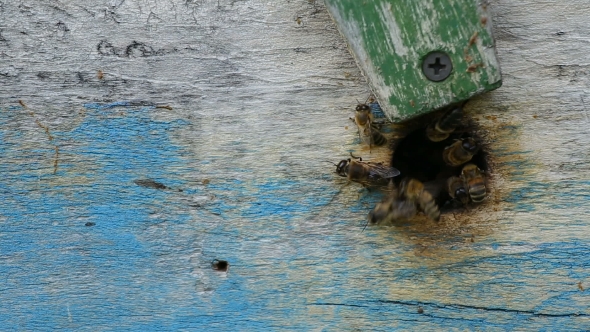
(414, 191)
(366, 128)
(460, 152)
(441, 129)
(475, 182)
(366, 173)
(392, 209)
(456, 189)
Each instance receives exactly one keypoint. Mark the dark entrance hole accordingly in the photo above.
(417, 157)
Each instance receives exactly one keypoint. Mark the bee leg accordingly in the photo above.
(370, 141)
(358, 130)
(361, 191)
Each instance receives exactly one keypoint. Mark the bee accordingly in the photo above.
(392, 209)
(456, 189)
(366, 173)
(475, 182)
(414, 191)
(441, 129)
(366, 128)
(460, 152)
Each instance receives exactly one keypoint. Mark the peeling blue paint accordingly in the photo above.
(144, 264)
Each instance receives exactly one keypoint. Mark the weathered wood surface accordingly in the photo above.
(261, 93)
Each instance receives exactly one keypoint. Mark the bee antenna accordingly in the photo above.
(365, 226)
(327, 161)
(369, 97)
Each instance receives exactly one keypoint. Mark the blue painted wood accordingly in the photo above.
(144, 265)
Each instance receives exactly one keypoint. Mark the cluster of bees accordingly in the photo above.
(435, 166)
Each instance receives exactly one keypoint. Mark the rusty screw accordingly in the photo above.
(437, 66)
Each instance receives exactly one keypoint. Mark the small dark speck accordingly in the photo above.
(220, 265)
(90, 223)
(560, 33)
(43, 74)
(149, 183)
(420, 310)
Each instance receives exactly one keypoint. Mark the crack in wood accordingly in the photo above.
(490, 309)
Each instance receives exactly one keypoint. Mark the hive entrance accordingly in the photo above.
(417, 157)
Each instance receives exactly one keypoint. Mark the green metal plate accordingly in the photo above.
(390, 39)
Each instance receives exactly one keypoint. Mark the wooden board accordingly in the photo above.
(260, 95)
(392, 39)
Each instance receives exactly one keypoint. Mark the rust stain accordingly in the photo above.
(100, 74)
(56, 159)
(483, 20)
(46, 129)
(580, 287)
(472, 68)
(470, 43)
(473, 39)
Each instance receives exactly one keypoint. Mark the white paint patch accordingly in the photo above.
(69, 313)
(492, 67)
(428, 26)
(382, 91)
(395, 33)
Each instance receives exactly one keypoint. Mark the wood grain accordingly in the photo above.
(260, 95)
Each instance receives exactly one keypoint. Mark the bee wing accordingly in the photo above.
(380, 171)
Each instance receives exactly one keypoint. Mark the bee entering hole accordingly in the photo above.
(448, 157)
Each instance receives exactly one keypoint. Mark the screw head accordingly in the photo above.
(437, 66)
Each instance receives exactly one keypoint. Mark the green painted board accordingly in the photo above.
(391, 38)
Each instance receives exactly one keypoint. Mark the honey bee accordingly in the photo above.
(366, 173)
(366, 128)
(457, 190)
(475, 182)
(392, 209)
(413, 190)
(441, 129)
(460, 152)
